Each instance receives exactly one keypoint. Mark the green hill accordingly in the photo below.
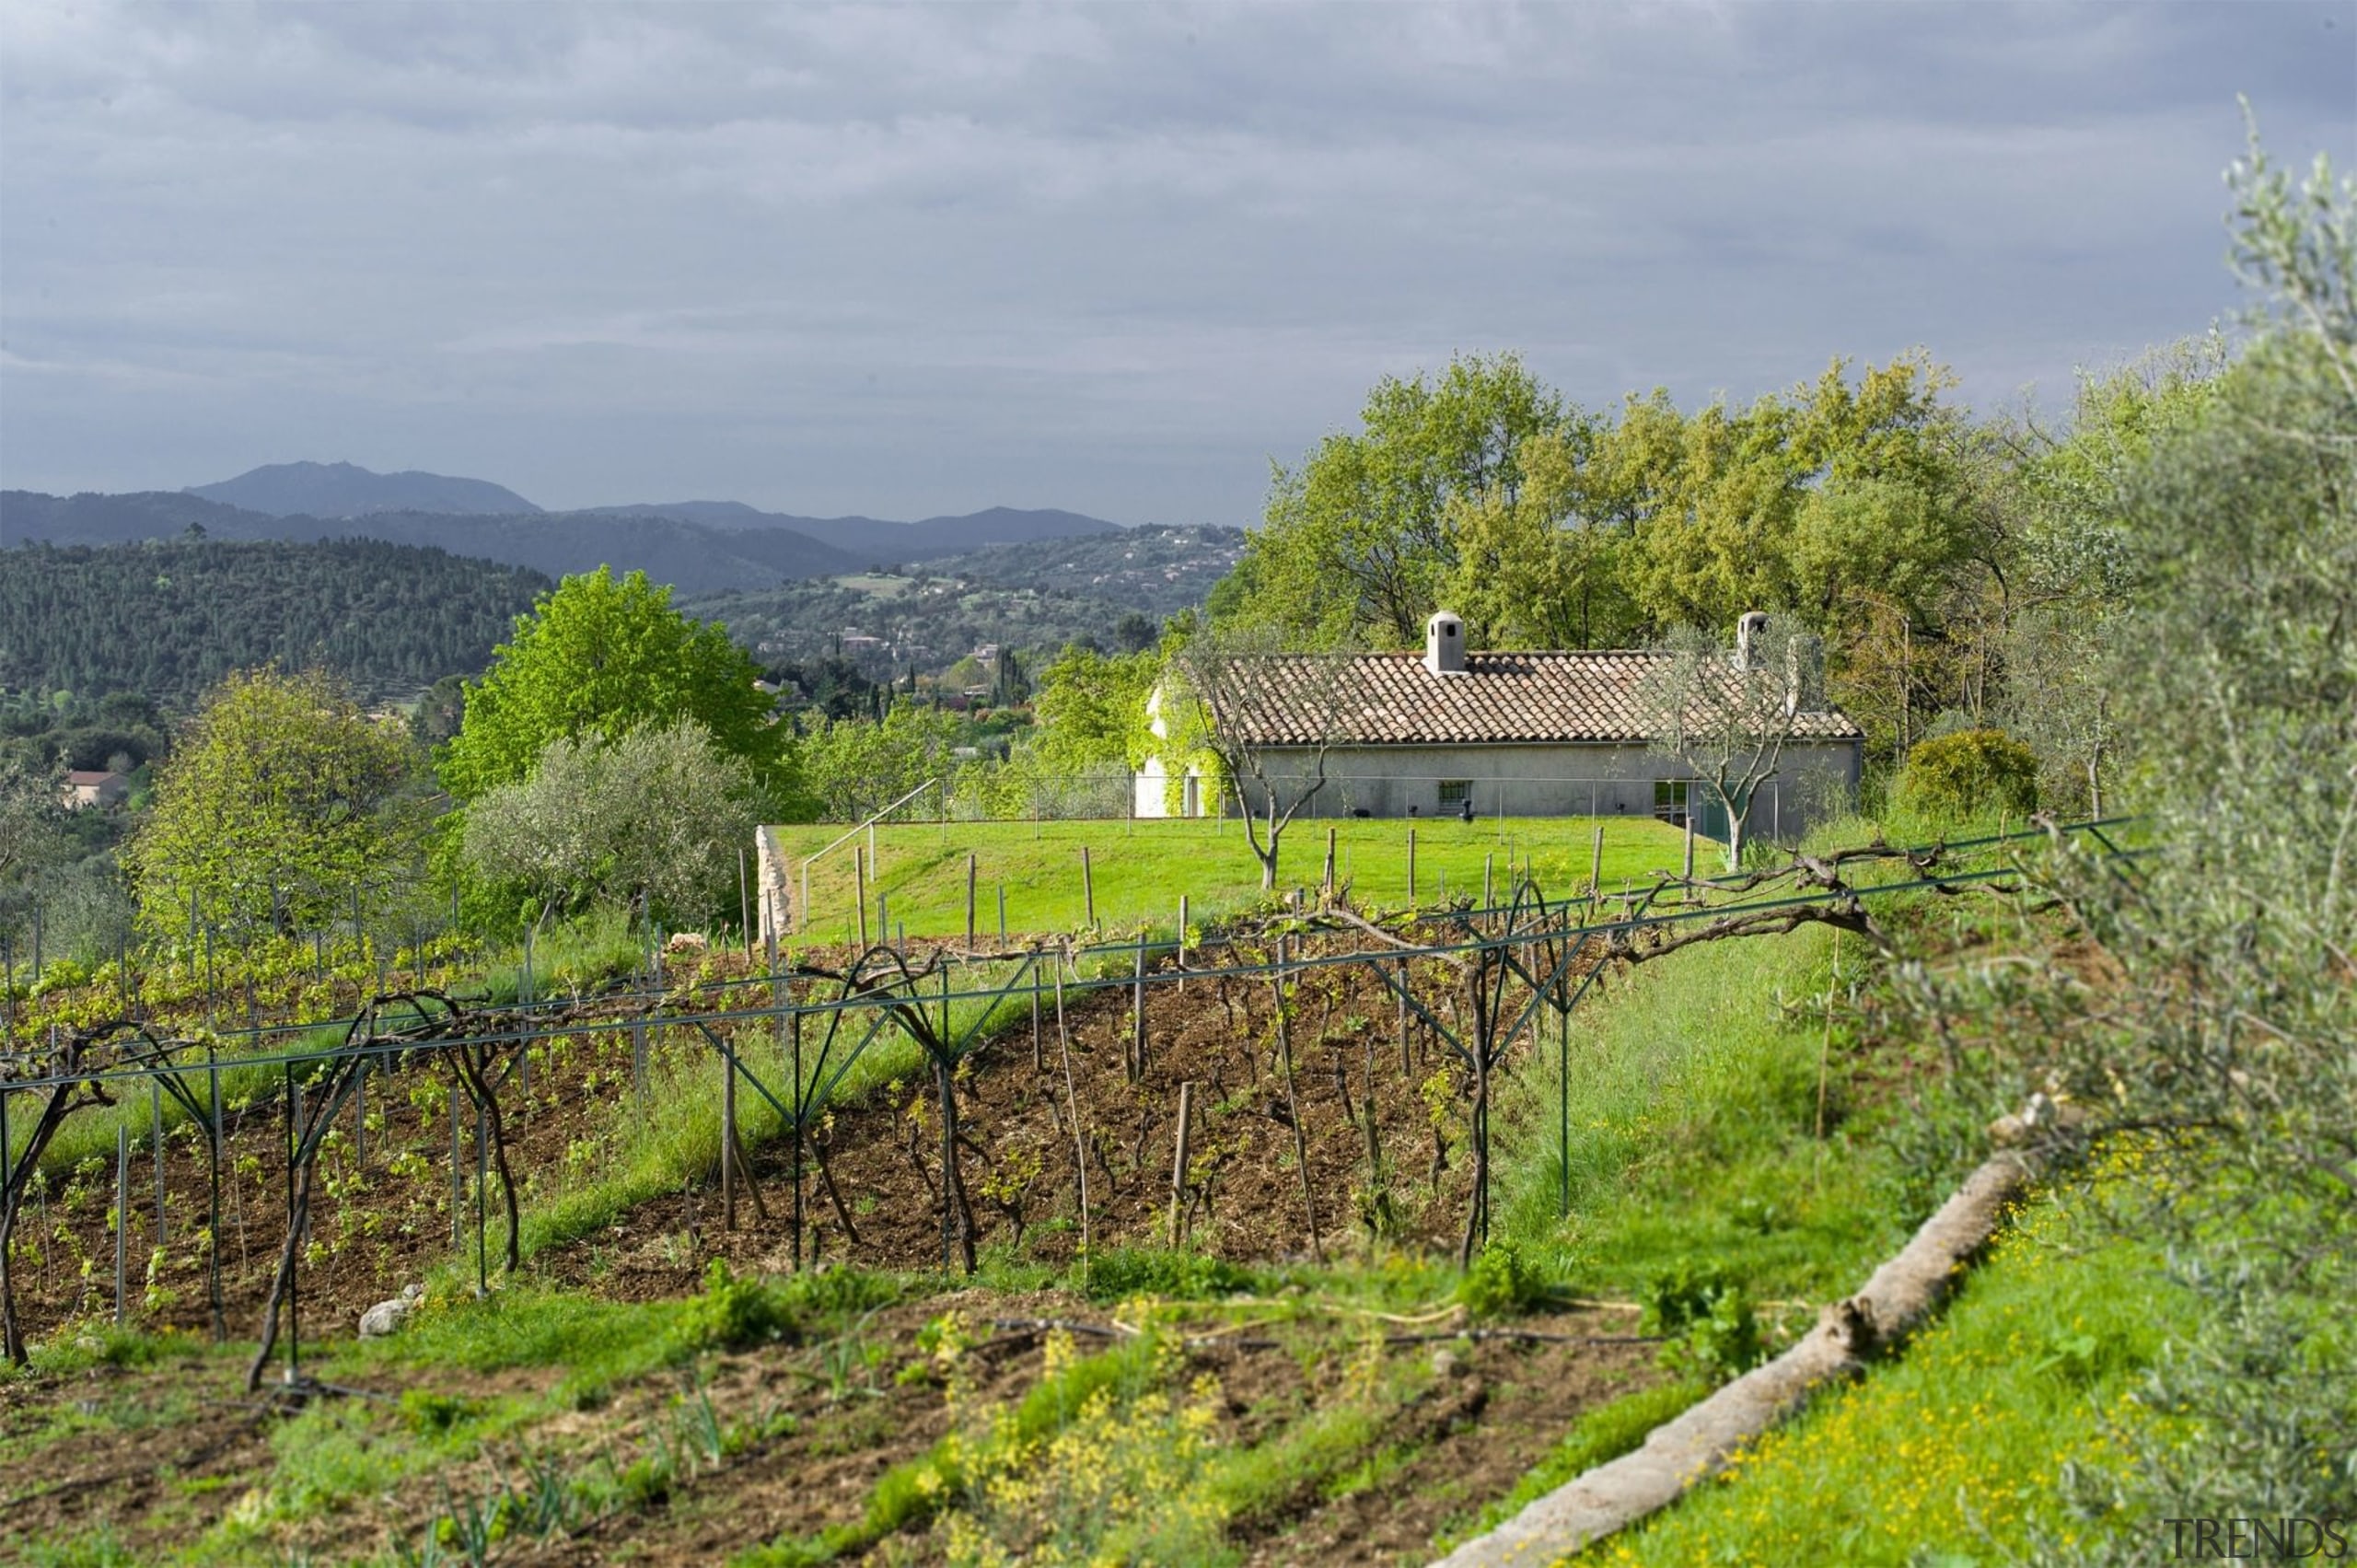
(168, 618)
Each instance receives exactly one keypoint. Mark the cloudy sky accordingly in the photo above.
(912, 260)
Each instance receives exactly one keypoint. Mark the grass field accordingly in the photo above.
(1139, 869)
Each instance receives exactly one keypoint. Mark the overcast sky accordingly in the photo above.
(908, 260)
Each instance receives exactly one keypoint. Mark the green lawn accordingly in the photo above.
(1140, 870)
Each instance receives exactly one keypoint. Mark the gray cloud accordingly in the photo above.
(903, 260)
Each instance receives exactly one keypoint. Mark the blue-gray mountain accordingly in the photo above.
(346, 490)
(671, 543)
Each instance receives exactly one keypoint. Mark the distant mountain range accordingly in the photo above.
(699, 547)
(345, 489)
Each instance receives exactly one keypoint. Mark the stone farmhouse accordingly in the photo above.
(1453, 733)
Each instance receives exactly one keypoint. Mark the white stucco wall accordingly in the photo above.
(1543, 781)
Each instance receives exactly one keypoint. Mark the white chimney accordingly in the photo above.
(1445, 643)
(1753, 623)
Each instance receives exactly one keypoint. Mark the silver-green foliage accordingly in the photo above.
(658, 816)
(2215, 1043)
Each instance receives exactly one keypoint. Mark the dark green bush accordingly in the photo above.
(1969, 772)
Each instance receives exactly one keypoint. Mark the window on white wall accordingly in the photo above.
(1455, 793)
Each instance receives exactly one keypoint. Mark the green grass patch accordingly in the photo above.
(1139, 869)
(1954, 1453)
(1689, 1131)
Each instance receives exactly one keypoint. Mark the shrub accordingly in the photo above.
(1973, 771)
(731, 1312)
(1713, 1332)
(1125, 1271)
(1500, 1284)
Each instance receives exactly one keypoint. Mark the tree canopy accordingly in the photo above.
(602, 657)
(281, 797)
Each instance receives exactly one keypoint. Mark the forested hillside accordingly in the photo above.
(170, 618)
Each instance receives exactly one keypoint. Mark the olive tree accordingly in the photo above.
(2203, 1030)
(654, 820)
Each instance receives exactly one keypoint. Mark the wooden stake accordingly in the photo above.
(1182, 942)
(1825, 1048)
(1079, 1146)
(1178, 1167)
(122, 1208)
(1293, 1107)
(859, 889)
(1137, 1015)
(1411, 868)
(1596, 867)
(969, 903)
(1088, 887)
(728, 1144)
(1329, 863)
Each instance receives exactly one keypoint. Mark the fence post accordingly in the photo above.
(1088, 888)
(728, 1143)
(1179, 1166)
(156, 1121)
(122, 1208)
(1411, 869)
(1002, 914)
(859, 890)
(1490, 880)
(1137, 1015)
(1330, 863)
(1596, 866)
(458, 1173)
(1689, 842)
(969, 901)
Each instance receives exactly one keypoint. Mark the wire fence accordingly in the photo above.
(1475, 983)
(1783, 808)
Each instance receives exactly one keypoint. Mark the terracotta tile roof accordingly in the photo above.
(1392, 700)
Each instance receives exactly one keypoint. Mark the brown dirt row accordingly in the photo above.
(159, 1455)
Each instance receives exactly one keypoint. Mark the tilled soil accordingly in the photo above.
(159, 1454)
(1378, 1099)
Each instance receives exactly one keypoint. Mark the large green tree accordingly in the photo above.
(282, 799)
(602, 657)
(1091, 709)
(1356, 540)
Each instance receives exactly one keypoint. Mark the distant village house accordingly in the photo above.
(85, 789)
